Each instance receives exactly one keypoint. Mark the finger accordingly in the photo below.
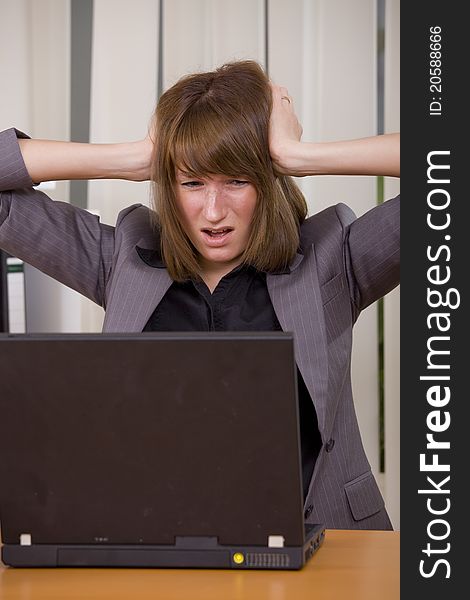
(279, 92)
(284, 95)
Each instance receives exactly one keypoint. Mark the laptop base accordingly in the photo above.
(187, 553)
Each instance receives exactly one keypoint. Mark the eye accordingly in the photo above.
(239, 182)
(191, 184)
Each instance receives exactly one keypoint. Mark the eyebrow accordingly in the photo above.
(181, 173)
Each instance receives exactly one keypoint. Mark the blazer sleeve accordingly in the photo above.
(65, 242)
(372, 253)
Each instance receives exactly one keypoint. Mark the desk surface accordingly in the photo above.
(358, 565)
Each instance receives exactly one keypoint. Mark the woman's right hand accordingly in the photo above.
(145, 150)
(140, 170)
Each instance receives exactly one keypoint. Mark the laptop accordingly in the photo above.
(151, 450)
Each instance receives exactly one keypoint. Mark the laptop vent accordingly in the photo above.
(267, 560)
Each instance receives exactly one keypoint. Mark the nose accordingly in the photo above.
(214, 208)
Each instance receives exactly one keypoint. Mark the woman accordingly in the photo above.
(228, 247)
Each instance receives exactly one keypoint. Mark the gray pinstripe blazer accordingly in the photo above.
(343, 265)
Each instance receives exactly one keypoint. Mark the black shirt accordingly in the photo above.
(240, 302)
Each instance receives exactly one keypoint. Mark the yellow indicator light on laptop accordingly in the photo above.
(238, 558)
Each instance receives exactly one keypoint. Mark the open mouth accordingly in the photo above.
(217, 233)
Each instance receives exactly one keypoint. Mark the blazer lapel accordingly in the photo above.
(137, 290)
(298, 305)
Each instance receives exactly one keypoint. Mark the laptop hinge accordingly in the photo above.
(194, 541)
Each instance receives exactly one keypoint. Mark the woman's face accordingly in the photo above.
(216, 213)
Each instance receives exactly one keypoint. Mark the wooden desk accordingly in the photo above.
(351, 565)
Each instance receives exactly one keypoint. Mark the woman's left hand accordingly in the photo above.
(285, 131)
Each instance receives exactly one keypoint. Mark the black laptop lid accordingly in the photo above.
(137, 439)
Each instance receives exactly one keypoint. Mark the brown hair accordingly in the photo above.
(217, 123)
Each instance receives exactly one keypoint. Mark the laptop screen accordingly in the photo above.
(141, 438)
